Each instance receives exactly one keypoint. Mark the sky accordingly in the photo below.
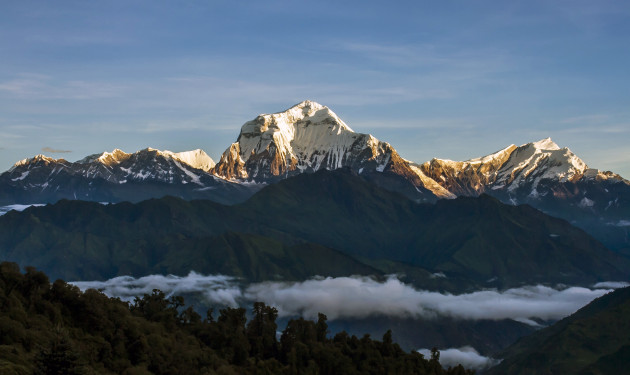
(449, 79)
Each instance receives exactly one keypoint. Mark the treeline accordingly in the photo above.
(57, 329)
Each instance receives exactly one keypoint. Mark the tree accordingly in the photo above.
(59, 358)
(261, 331)
(231, 324)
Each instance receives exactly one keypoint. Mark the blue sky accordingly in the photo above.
(447, 79)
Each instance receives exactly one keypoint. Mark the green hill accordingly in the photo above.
(594, 340)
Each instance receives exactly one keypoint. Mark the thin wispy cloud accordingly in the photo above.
(204, 89)
(459, 123)
(73, 40)
(55, 151)
(409, 55)
(447, 63)
(586, 119)
(37, 86)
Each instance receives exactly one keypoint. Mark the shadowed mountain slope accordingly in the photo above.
(477, 239)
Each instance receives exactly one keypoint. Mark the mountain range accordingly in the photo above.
(118, 176)
(309, 137)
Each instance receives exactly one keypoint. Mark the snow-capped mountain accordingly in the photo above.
(521, 174)
(308, 137)
(109, 176)
(514, 170)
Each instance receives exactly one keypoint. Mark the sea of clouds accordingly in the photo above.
(360, 297)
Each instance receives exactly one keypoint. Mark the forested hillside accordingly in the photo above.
(56, 329)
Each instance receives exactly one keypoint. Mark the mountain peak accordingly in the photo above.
(114, 157)
(305, 113)
(306, 137)
(196, 159)
(307, 106)
(297, 138)
(545, 144)
(34, 159)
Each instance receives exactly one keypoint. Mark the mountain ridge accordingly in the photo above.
(474, 239)
(309, 137)
(118, 176)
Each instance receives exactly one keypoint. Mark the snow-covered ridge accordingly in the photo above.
(540, 160)
(195, 158)
(120, 167)
(499, 155)
(514, 168)
(34, 159)
(107, 158)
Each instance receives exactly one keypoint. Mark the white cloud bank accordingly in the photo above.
(360, 297)
(215, 288)
(466, 356)
(345, 297)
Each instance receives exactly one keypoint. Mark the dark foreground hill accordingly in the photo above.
(56, 329)
(325, 223)
(594, 340)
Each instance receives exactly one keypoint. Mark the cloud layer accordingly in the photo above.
(360, 297)
(466, 356)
